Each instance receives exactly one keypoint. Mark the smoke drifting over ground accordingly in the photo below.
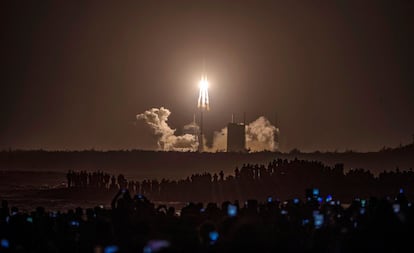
(260, 134)
(157, 119)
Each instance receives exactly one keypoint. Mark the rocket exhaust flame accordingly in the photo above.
(203, 101)
(203, 105)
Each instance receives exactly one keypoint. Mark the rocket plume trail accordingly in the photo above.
(203, 101)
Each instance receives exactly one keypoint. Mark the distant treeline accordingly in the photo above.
(153, 164)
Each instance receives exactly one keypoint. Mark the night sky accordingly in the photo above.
(338, 75)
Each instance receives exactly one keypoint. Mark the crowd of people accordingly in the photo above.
(314, 223)
(97, 179)
(282, 178)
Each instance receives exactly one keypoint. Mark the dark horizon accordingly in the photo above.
(292, 151)
(337, 75)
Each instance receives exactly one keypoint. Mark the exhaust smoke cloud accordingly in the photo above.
(260, 134)
(156, 119)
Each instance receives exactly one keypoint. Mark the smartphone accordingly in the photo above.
(363, 202)
(318, 220)
(74, 223)
(231, 210)
(29, 219)
(4, 243)
(156, 245)
(269, 199)
(295, 201)
(214, 235)
(320, 200)
(328, 198)
(315, 192)
(396, 208)
(111, 249)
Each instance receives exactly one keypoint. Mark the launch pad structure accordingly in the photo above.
(236, 135)
(236, 132)
(201, 134)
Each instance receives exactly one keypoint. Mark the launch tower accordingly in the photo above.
(236, 136)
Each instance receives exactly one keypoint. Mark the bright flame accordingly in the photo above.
(203, 102)
(203, 84)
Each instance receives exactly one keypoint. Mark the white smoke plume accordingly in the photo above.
(191, 128)
(219, 141)
(157, 119)
(260, 136)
